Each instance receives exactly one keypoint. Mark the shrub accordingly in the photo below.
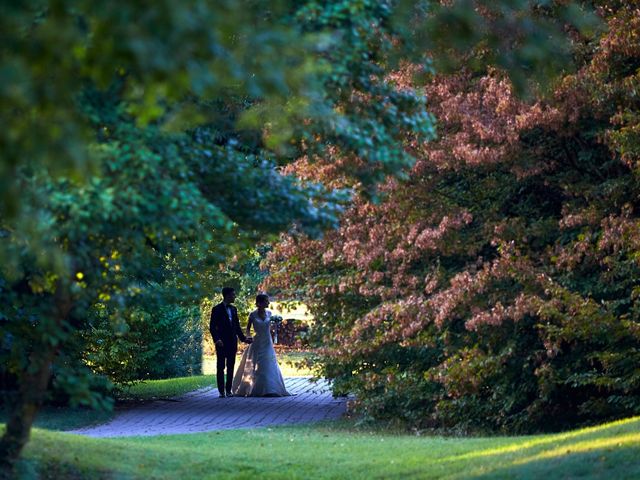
(168, 344)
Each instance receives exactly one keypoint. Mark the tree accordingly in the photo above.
(157, 157)
(497, 286)
(154, 125)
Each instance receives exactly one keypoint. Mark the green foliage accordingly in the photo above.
(199, 48)
(160, 344)
(91, 262)
(527, 40)
(367, 117)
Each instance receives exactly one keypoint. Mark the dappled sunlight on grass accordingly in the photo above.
(586, 446)
(527, 443)
(608, 451)
(594, 452)
(167, 388)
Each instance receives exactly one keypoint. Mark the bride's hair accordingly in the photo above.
(262, 297)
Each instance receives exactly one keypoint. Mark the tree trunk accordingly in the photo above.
(33, 386)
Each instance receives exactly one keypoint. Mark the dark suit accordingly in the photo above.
(227, 330)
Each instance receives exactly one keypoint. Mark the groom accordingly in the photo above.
(225, 330)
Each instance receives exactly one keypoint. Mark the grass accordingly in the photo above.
(158, 389)
(66, 418)
(609, 451)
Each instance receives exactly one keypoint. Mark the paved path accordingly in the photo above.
(203, 411)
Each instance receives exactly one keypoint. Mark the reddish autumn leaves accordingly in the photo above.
(498, 285)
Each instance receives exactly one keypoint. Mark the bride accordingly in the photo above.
(258, 374)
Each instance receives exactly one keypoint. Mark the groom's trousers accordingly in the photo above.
(225, 357)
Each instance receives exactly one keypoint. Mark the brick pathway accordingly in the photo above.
(203, 411)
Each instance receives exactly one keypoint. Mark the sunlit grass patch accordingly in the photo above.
(610, 451)
(167, 388)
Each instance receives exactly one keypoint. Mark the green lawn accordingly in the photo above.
(171, 387)
(610, 451)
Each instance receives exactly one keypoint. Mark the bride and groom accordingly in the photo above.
(258, 373)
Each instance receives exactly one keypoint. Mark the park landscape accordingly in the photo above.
(450, 188)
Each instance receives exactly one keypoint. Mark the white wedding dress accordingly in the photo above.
(258, 374)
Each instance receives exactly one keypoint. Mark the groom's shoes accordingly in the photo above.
(221, 395)
(229, 394)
